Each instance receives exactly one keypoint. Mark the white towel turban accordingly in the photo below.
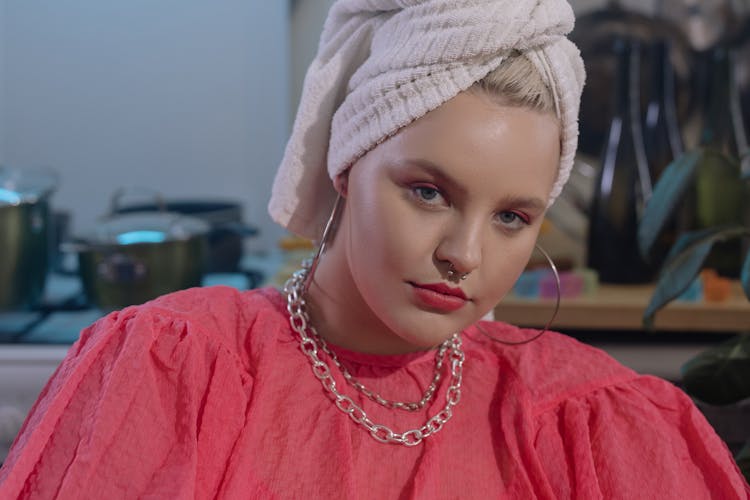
(381, 64)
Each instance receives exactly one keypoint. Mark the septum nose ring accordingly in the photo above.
(452, 273)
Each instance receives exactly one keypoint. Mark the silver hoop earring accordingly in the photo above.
(328, 232)
(554, 313)
(452, 273)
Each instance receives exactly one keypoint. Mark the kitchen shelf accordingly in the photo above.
(621, 308)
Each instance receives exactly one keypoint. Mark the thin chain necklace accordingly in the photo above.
(395, 405)
(311, 343)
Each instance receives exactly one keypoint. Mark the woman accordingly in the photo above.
(443, 129)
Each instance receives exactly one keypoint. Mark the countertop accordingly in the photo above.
(621, 307)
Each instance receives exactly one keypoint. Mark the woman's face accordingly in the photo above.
(466, 185)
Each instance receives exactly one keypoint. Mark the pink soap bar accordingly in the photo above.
(571, 285)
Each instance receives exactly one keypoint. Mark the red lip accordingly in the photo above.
(439, 297)
(442, 288)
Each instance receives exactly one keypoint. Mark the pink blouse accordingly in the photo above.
(205, 394)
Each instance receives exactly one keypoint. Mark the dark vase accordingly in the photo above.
(623, 183)
(662, 139)
(719, 193)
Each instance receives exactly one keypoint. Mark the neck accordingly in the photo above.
(341, 316)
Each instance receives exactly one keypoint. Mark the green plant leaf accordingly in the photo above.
(720, 375)
(683, 263)
(719, 192)
(690, 239)
(745, 164)
(667, 192)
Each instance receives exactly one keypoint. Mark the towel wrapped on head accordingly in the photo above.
(382, 64)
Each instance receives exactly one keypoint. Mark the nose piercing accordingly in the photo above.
(452, 273)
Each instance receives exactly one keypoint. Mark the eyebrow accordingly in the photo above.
(434, 169)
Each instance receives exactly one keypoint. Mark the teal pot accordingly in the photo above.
(130, 259)
(227, 230)
(24, 236)
(226, 227)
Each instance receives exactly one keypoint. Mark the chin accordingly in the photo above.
(425, 329)
(419, 327)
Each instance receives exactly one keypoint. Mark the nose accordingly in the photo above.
(461, 246)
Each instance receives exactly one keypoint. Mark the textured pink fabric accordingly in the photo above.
(205, 394)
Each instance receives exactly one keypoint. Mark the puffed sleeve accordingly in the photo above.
(146, 404)
(638, 439)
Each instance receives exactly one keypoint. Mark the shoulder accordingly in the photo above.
(551, 368)
(213, 318)
(218, 307)
(596, 424)
(171, 376)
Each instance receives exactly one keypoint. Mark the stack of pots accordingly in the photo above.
(226, 233)
(134, 254)
(132, 258)
(143, 250)
(24, 236)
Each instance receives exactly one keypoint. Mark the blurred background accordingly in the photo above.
(196, 99)
(186, 97)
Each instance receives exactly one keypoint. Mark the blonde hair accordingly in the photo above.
(517, 82)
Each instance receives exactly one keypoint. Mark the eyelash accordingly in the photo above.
(418, 192)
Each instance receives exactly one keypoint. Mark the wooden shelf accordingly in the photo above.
(621, 308)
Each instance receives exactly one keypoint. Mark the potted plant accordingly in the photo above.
(719, 378)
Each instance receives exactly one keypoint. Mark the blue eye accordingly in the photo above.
(512, 220)
(508, 217)
(428, 196)
(426, 193)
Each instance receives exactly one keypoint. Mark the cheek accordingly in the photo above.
(386, 232)
(502, 267)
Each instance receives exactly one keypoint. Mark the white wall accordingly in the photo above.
(189, 97)
(2, 81)
(307, 18)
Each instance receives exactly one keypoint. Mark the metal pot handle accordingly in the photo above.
(239, 228)
(120, 193)
(68, 265)
(41, 171)
(121, 268)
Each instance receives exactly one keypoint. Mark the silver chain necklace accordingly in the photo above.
(394, 405)
(311, 343)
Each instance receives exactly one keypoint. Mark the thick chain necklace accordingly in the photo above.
(311, 343)
(395, 405)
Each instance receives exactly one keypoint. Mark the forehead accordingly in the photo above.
(487, 146)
